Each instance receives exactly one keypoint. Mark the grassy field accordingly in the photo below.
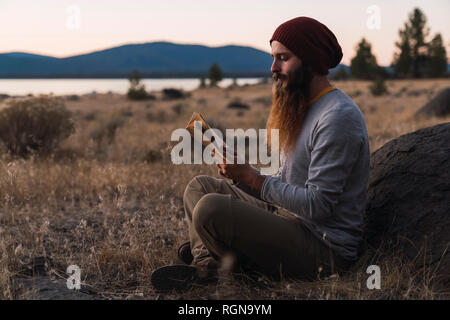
(114, 208)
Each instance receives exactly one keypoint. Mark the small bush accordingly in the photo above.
(73, 97)
(153, 156)
(202, 101)
(356, 93)
(160, 116)
(150, 117)
(236, 104)
(126, 113)
(264, 100)
(105, 130)
(139, 93)
(35, 124)
(178, 108)
(378, 87)
(90, 116)
(170, 93)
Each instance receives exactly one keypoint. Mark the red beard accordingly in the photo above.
(289, 105)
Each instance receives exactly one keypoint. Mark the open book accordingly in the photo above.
(216, 139)
(219, 144)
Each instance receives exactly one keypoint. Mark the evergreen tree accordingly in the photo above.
(412, 58)
(202, 82)
(437, 57)
(215, 75)
(364, 64)
(137, 91)
(134, 78)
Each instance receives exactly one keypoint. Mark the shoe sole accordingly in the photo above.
(173, 277)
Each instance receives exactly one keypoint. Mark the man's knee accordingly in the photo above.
(195, 185)
(210, 210)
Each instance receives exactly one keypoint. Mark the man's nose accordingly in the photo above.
(275, 67)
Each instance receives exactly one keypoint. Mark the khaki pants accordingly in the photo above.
(222, 219)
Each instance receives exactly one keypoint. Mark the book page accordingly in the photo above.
(217, 141)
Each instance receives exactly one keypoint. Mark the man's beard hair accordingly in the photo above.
(289, 105)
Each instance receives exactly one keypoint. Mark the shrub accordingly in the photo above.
(90, 116)
(171, 93)
(264, 100)
(139, 93)
(236, 104)
(105, 130)
(177, 108)
(73, 97)
(153, 156)
(160, 116)
(202, 101)
(356, 93)
(126, 113)
(35, 124)
(378, 87)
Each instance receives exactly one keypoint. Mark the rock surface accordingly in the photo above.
(408, 199)
(439, 106)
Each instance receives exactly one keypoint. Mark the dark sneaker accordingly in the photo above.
(184, 253)
(174, 277)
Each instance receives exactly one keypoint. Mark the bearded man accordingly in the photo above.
(306, 221)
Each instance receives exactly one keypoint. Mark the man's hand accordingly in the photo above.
(240, 173)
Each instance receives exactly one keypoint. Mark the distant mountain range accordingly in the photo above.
(150, 59)
(155, 59)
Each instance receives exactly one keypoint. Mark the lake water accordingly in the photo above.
(83, 86)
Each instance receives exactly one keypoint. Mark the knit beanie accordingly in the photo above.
(311, 41)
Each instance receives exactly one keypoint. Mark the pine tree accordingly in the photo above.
(364, 64)
(202, 82)
(412, 58)
(437, 57)
(134, 78)
(137, 91)
(215, 75)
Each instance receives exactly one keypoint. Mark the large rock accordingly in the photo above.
(439, 106)
(408, 199)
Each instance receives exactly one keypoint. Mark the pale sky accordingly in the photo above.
(53, 27)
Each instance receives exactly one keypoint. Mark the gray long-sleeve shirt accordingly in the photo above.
(324, 180)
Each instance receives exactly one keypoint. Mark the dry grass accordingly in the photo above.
(115, 209)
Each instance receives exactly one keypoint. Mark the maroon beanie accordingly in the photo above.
(311, 41)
